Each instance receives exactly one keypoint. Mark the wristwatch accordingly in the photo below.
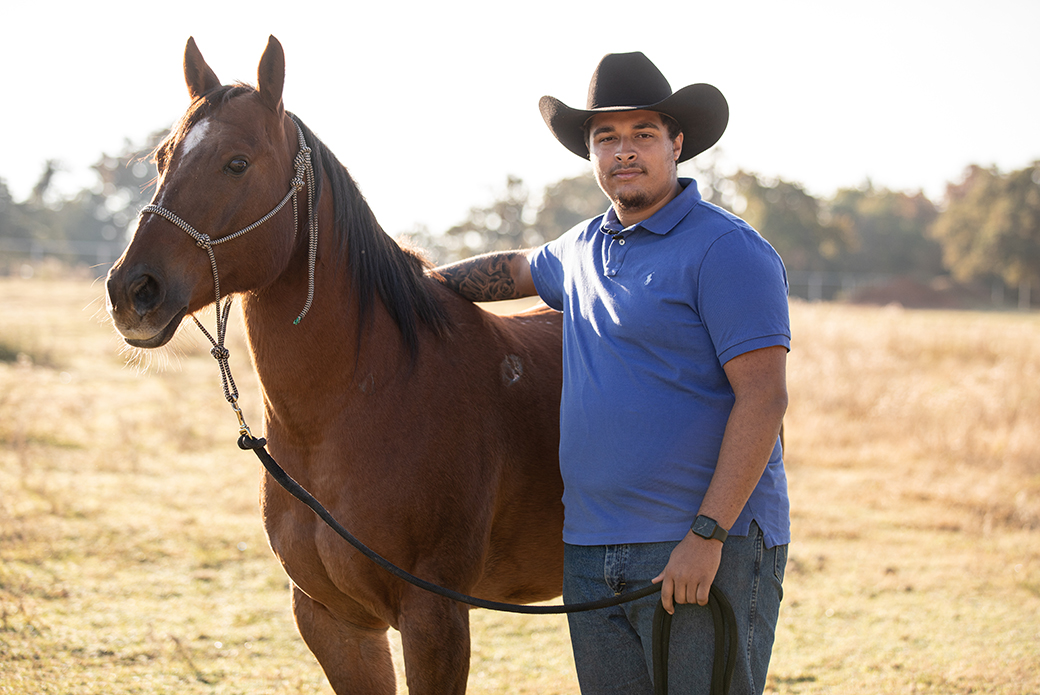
(706, 527)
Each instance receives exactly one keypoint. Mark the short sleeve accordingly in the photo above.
(547, 271)
(742, 295)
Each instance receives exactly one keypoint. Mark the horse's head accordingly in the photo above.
(225, 165)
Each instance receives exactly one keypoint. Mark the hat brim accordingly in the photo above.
(700, 109)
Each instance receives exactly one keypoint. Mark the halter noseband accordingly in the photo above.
(303, 176)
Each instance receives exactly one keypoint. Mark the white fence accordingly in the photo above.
(812, 286)
(99, 255)
(826, 286)
(829, 286)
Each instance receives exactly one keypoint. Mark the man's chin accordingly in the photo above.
(632, 202)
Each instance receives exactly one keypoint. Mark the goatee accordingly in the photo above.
(632, 201)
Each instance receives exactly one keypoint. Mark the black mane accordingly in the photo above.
(379, 267)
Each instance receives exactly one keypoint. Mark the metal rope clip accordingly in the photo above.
(243, 428)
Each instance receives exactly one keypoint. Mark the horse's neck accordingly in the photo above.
(313, 370)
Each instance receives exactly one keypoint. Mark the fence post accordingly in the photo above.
(996, 293)
(815, 287)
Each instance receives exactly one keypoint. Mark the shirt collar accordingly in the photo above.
(665, 219)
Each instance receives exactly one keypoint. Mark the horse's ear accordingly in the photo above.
(270, 75)
(197, 74)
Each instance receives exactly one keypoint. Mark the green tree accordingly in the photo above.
(105, 212)
(43, 184)
(36, 217)
(793, 221)
(991, 225)
(889, 232)
(512, 221)
(21, 226)
(568, 202)
(505, 224)
(13, 224)
(90, 225)
(714, 186)
(125, 185)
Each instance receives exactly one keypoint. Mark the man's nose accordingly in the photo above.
(625, 151)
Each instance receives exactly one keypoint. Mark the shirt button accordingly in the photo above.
(621, 241)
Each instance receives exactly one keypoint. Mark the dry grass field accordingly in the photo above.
(132, 558)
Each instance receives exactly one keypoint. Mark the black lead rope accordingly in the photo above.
(721, 611)
(722, 667)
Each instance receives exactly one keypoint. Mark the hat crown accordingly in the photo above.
(626, 80)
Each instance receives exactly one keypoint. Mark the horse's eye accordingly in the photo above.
(236, 167)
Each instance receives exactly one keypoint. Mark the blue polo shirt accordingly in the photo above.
(649, 320)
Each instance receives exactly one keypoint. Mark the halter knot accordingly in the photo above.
(204, 242)
(302, 161)
(220, 352)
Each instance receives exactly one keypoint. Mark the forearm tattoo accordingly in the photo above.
(487, 278)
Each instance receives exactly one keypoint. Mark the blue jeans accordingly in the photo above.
(613, 646)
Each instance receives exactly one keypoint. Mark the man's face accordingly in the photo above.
(634, 160)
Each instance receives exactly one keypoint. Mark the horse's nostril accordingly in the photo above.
(146, 294)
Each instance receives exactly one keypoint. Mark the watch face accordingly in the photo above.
(703, 526)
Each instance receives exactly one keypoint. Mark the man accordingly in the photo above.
(675, 342)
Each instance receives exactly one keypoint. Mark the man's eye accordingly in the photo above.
(236, 167)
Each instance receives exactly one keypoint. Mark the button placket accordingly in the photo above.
(615, 256)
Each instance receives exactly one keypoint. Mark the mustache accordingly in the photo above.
(626, 167)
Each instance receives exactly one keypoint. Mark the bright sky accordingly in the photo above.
(432, 104)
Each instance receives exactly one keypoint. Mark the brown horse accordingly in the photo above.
(426, 425)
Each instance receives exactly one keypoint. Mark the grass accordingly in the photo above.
(133, 560)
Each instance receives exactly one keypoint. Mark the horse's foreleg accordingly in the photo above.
(435, 641)
(356, 660)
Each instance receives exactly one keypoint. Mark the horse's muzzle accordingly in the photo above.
(144, 310)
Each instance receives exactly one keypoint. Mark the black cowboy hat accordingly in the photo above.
(629, 82)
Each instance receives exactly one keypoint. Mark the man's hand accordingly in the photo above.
(690, 571)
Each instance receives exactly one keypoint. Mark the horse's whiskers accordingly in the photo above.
(158, 360)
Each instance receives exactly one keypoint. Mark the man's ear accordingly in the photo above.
(677, 146)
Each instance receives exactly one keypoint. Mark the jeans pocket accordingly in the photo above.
(780, 562)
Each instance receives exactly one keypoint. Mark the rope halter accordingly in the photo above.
(303, 176)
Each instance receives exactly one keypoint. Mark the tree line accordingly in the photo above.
(985, 231)
(89, 227)
(984, 236)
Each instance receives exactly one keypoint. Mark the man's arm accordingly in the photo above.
(491, 277)
(759, 384)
